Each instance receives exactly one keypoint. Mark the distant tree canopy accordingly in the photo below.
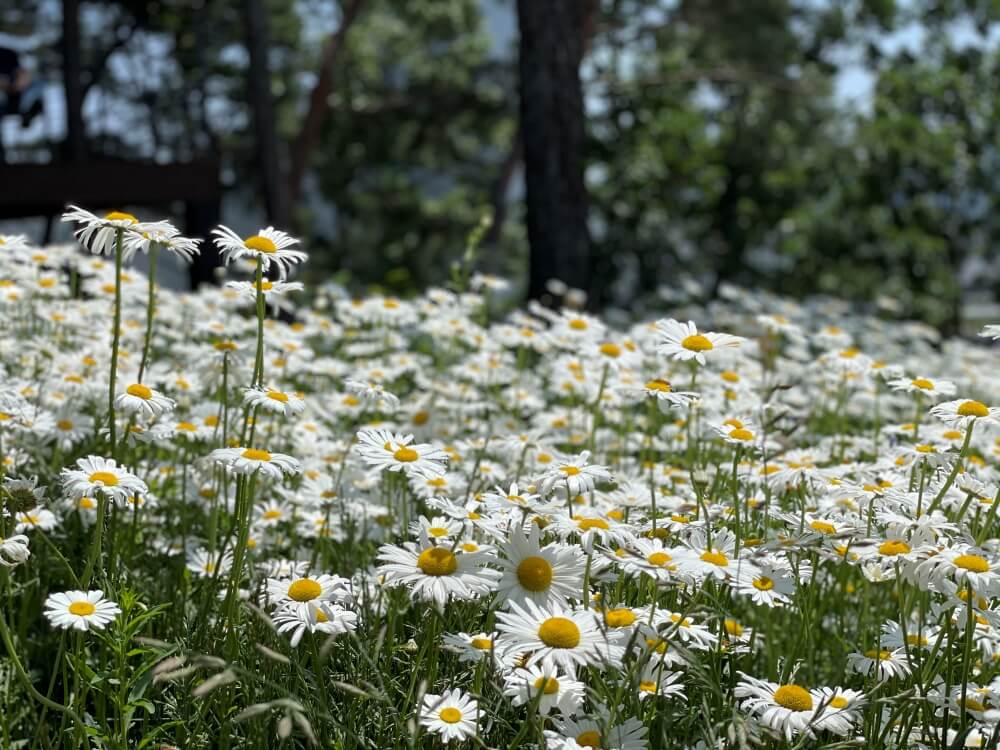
(717, 147)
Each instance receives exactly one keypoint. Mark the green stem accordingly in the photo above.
(119, 234)
(150, 309)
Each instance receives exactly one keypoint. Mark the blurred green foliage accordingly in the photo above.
(719, 146)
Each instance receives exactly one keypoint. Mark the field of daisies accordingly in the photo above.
(261, 516)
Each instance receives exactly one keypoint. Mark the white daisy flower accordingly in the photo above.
(142, 400)
(307, 594)
(548, 576)
(250, 460)
(554, 689)
(436, 573)
(789, 710)
(382, 449)
(274, 400)
(453, 715)
(963, 412)
(98, 234)
(559, 636)
(94, 474)
(269, 246)
(331, 620)
(575, 475)
(922, 386)
(80, 610)
(683, 341)
(14, 550)
(471, 647)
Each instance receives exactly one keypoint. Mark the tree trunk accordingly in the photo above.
(265, 127)
(552, 128)
(76, 144)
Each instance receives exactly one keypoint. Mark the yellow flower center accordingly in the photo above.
(590, 738)
(104, 477)
(893, 547)
(559, 632)
(923, 384)
(658, 559)
(659, 384)
(619, 618)
(973, 409)
(255, 454)
(974, 563)
(733, 628)
(823, 527)
(741, 433)
(304, 590)
(437, 561)
(570, 471)
(271, 515)
(483, 644)
(437, 531)
(881, 655)
(697, 343)
(450, 715)
(278, 396)
(547, 685)
(586, 524)
(65, 425)
(120, 216)
(260, 244)
(793, 697)
(82, 608)
(139, 391)
(406, 455)
(715, 558)
(578, 324)
(763, 583)
(838, 701)
(186, 426)
(535, 573)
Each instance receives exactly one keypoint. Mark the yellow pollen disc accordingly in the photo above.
(120, 216)
(65, 425)
(697, 343)
(278, 396)
(951, 435)
(104, 477)
(578, 324)
(733, 628)
(265, 285)
(838, 701)
(586, 524)
(973, 563)
(734, 423)
(437, 561)
(611, 350)
(763, 583)
(729, 376)
(406, 455)
(619, 618)
(917, 640)
(793, 697)
(483, 644)
(591, 738)
(679, 518)
(658, 385)
(741, 434)
(437, 531)
(139, 391)
(547, 685)
(304, 590)
(186, 426)
(823, 527)
(559, 632)
(570, 471)
(658, 558)
(271, 515)
(971, 704)
(260, 244)
(255, 454)
(973, 409)
(881, 655)
(535, 573)
(450, 715)
(321, 616)
(924, 448)
(893, 547)
(647, 687)
(923, 384)
(82, 608)
(715, 558)
(420, 417)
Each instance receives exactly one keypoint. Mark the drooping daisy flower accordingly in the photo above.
(94, 474)
(471, 647)
(250, 460)
(269, 245)
(98, 234)
(436, 573)
(683, 341)
(881, 662)
(80, 610)
(330, 620)
(165, 235)
(14, 550)
(35, 518)
(575, 475)
(274, 400)
(991, 332)
(372, 393)
(452, 715)
(383, 449)
(143, 400)
(558, 636)
(548, 576)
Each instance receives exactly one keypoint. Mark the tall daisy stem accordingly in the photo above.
(150, 309)
(258, 365)
(116, 332)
